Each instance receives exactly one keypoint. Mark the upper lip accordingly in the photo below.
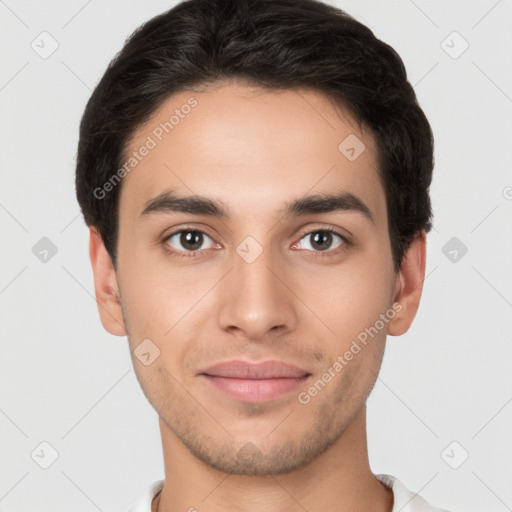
(244, 370)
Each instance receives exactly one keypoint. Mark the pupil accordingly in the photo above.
(322, 240)
(191, 239)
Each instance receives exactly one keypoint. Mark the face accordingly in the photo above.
(262, 282)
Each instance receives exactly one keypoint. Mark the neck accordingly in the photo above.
(340, 479)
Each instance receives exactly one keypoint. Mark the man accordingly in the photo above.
(255, 177)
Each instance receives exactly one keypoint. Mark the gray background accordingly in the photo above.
(67, 382)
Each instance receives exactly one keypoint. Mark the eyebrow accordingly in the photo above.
(171, 202)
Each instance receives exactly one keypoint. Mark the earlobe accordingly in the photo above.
(105, 285)
(409, 286)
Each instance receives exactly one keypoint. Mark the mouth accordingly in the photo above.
(249, 382)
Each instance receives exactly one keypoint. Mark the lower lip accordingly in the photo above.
(255, 390)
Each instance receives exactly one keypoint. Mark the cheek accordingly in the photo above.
(348, 298)
(166, 308)
(351, 304)
(157, 297)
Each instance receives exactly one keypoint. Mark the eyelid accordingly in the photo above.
(336, 231)
(187, 228)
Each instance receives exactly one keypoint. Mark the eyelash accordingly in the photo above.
(193, 254)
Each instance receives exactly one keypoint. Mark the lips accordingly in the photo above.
(249, 382)
(245, 370)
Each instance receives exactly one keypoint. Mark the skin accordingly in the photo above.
(256, 150)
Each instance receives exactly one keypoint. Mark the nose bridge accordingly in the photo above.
(255, 298)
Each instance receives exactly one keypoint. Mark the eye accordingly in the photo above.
(187, 242)
(190, 240)
(321, 240)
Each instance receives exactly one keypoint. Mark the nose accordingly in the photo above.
(256, 301)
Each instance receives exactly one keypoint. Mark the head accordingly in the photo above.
(219, 146)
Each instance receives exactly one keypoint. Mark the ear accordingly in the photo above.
(105, 286)
(409, 286)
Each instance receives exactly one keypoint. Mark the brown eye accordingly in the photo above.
(188, 240)
(323, 240)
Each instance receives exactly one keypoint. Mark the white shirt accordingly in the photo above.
(405, 500)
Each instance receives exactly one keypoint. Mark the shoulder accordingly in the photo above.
(143, 504)
(404, 499)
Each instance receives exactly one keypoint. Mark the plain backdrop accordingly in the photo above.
(440, 415)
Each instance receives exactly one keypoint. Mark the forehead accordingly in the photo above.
(250, 148)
